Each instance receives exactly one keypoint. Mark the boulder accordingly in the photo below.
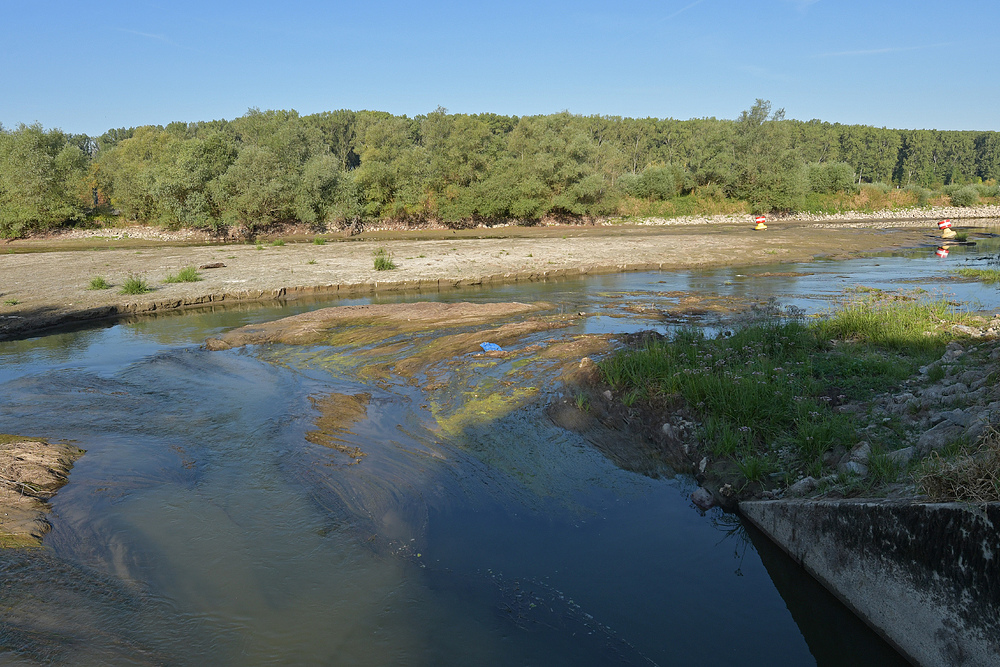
(859, 469)
(938, 437)
(802, 487)
(902, 456)
(861, 452)
(958, 416)
(957, 388)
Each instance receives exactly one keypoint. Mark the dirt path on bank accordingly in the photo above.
(44, 282)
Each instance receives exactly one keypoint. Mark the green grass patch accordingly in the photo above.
(888, 320)
(987, 276)
(135, 285)
(277, 243)
(99, 282)
(767, 394)
(319, 240)
(383, 260)
(11, 302)
(188, 274)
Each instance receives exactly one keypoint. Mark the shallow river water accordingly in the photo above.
(207, 525)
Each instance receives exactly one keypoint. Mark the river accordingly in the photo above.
(439, 519)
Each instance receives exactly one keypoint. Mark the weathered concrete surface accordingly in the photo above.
(925, 576)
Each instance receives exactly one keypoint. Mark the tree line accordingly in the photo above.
(346, 167)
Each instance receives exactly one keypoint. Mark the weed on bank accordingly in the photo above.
(768, 392)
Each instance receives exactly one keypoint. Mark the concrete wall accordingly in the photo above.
(925, 576)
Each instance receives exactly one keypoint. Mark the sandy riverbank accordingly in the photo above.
(44, 282)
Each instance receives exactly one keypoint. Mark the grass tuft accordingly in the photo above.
(383, 260)
(99, 283)
(188, 274)
(135, 285)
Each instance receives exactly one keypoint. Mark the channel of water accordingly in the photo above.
(204, 526)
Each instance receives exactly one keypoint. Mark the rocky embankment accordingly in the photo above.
(898, 217)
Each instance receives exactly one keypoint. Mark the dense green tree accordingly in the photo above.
(829, 177)
(255, 191)
(42, 179)
(872, 152)
(390, 179)
(988, 156)
(766, 172)
(339, 167)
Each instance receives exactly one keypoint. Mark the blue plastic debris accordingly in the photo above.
(491, 347)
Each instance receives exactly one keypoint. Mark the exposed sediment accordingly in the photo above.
(31, 471)
(43, 285)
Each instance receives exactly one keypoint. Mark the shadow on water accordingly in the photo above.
(310, 504)
(824, 621)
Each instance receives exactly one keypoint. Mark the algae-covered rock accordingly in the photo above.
(316, 326)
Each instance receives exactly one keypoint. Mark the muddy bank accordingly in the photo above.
(51, 288)
(31, 471)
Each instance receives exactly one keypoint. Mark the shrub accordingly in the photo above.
(922, 194)
(880, 188)
(965, 196)
(658, 183)
(99, 283)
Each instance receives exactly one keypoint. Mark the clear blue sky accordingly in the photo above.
(89, 66)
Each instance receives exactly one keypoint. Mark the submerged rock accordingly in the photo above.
(703, 499)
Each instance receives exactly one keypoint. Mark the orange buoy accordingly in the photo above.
(760, 222)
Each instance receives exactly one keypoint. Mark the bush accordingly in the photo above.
(659, 183)
(881, 188)
(99, 283)
(987, 190)
(965, 196)
(922, 194)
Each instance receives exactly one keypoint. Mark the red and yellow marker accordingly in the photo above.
(760, 222)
